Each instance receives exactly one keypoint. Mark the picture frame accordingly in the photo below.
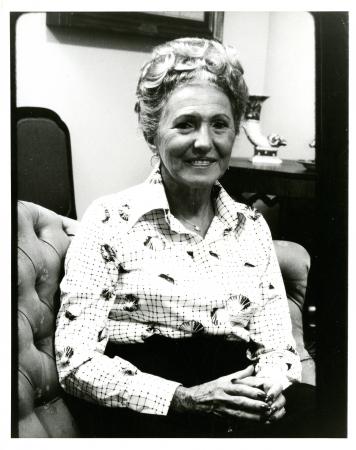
(157, 24)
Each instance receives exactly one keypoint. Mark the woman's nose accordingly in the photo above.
(203, 139)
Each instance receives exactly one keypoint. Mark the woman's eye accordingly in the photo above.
(220, 124)
(184, 125)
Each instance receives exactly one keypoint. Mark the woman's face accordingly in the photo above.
(195, 136)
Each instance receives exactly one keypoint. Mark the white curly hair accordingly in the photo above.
(184, 61)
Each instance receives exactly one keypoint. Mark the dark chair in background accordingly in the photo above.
(44, 163)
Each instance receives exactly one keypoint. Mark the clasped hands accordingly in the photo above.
(239, 395)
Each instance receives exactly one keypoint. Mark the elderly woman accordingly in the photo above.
(174, 319)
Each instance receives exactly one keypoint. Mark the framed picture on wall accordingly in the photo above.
(159, 24)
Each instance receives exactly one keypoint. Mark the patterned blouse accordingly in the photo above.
(134, 270)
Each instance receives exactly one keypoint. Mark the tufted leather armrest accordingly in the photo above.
(43, 239)
(42, 244)
(294, 262)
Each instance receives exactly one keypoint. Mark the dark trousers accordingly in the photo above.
(192, 362)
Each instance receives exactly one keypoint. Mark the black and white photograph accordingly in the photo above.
(179, 222)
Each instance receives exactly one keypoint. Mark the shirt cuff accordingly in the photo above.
(150, 394)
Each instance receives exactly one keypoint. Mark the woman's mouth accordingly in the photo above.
(201, 162)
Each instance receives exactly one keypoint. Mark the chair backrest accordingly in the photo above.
(44, 164)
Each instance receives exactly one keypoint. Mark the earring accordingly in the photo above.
(154, 159)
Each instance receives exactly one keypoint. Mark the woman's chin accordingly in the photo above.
(194, 177)
(203, 175)
(200, 180)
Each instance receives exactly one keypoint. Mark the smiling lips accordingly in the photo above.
(201, 162)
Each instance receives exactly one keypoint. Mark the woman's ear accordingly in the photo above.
(151, 143)
(153, 147)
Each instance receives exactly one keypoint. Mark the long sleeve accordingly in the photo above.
(92, 275)
(273, 345)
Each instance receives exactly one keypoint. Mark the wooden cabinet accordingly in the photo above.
(288, 187)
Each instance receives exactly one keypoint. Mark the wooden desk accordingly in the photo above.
(288, 180)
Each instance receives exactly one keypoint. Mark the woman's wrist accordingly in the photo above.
(181, 400)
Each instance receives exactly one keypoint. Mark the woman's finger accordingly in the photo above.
(274, 390)
(241, 415)
(241, 373)
(245, 404)
(254, 381)
(277, 409)
(276, 416)
(279, 403)
(239, 388)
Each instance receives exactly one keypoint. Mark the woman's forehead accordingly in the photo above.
(197, 96)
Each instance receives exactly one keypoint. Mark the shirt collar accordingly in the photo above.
(153, 197)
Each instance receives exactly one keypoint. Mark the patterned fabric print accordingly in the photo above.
(106, 215)
(123, 212)
(150, 330)
(192, 327)
(240, 309)
(251, 213)
(108, 253)
(149, 275)
(154, 243)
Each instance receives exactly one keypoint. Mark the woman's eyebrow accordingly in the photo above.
(194, 114)
(220, 115)
(189, 116)
(186, 116)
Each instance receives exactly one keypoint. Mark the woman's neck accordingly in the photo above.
(190, 204)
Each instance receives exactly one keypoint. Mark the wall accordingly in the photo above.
(278, 55)
(89, 79)
(289, 80)
(248, 32)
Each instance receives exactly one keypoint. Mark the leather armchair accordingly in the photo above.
(43, 239)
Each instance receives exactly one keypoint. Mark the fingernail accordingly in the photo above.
(261, 396)
(265, 408)
(269, 398)
(264, 419)
(271, 411)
